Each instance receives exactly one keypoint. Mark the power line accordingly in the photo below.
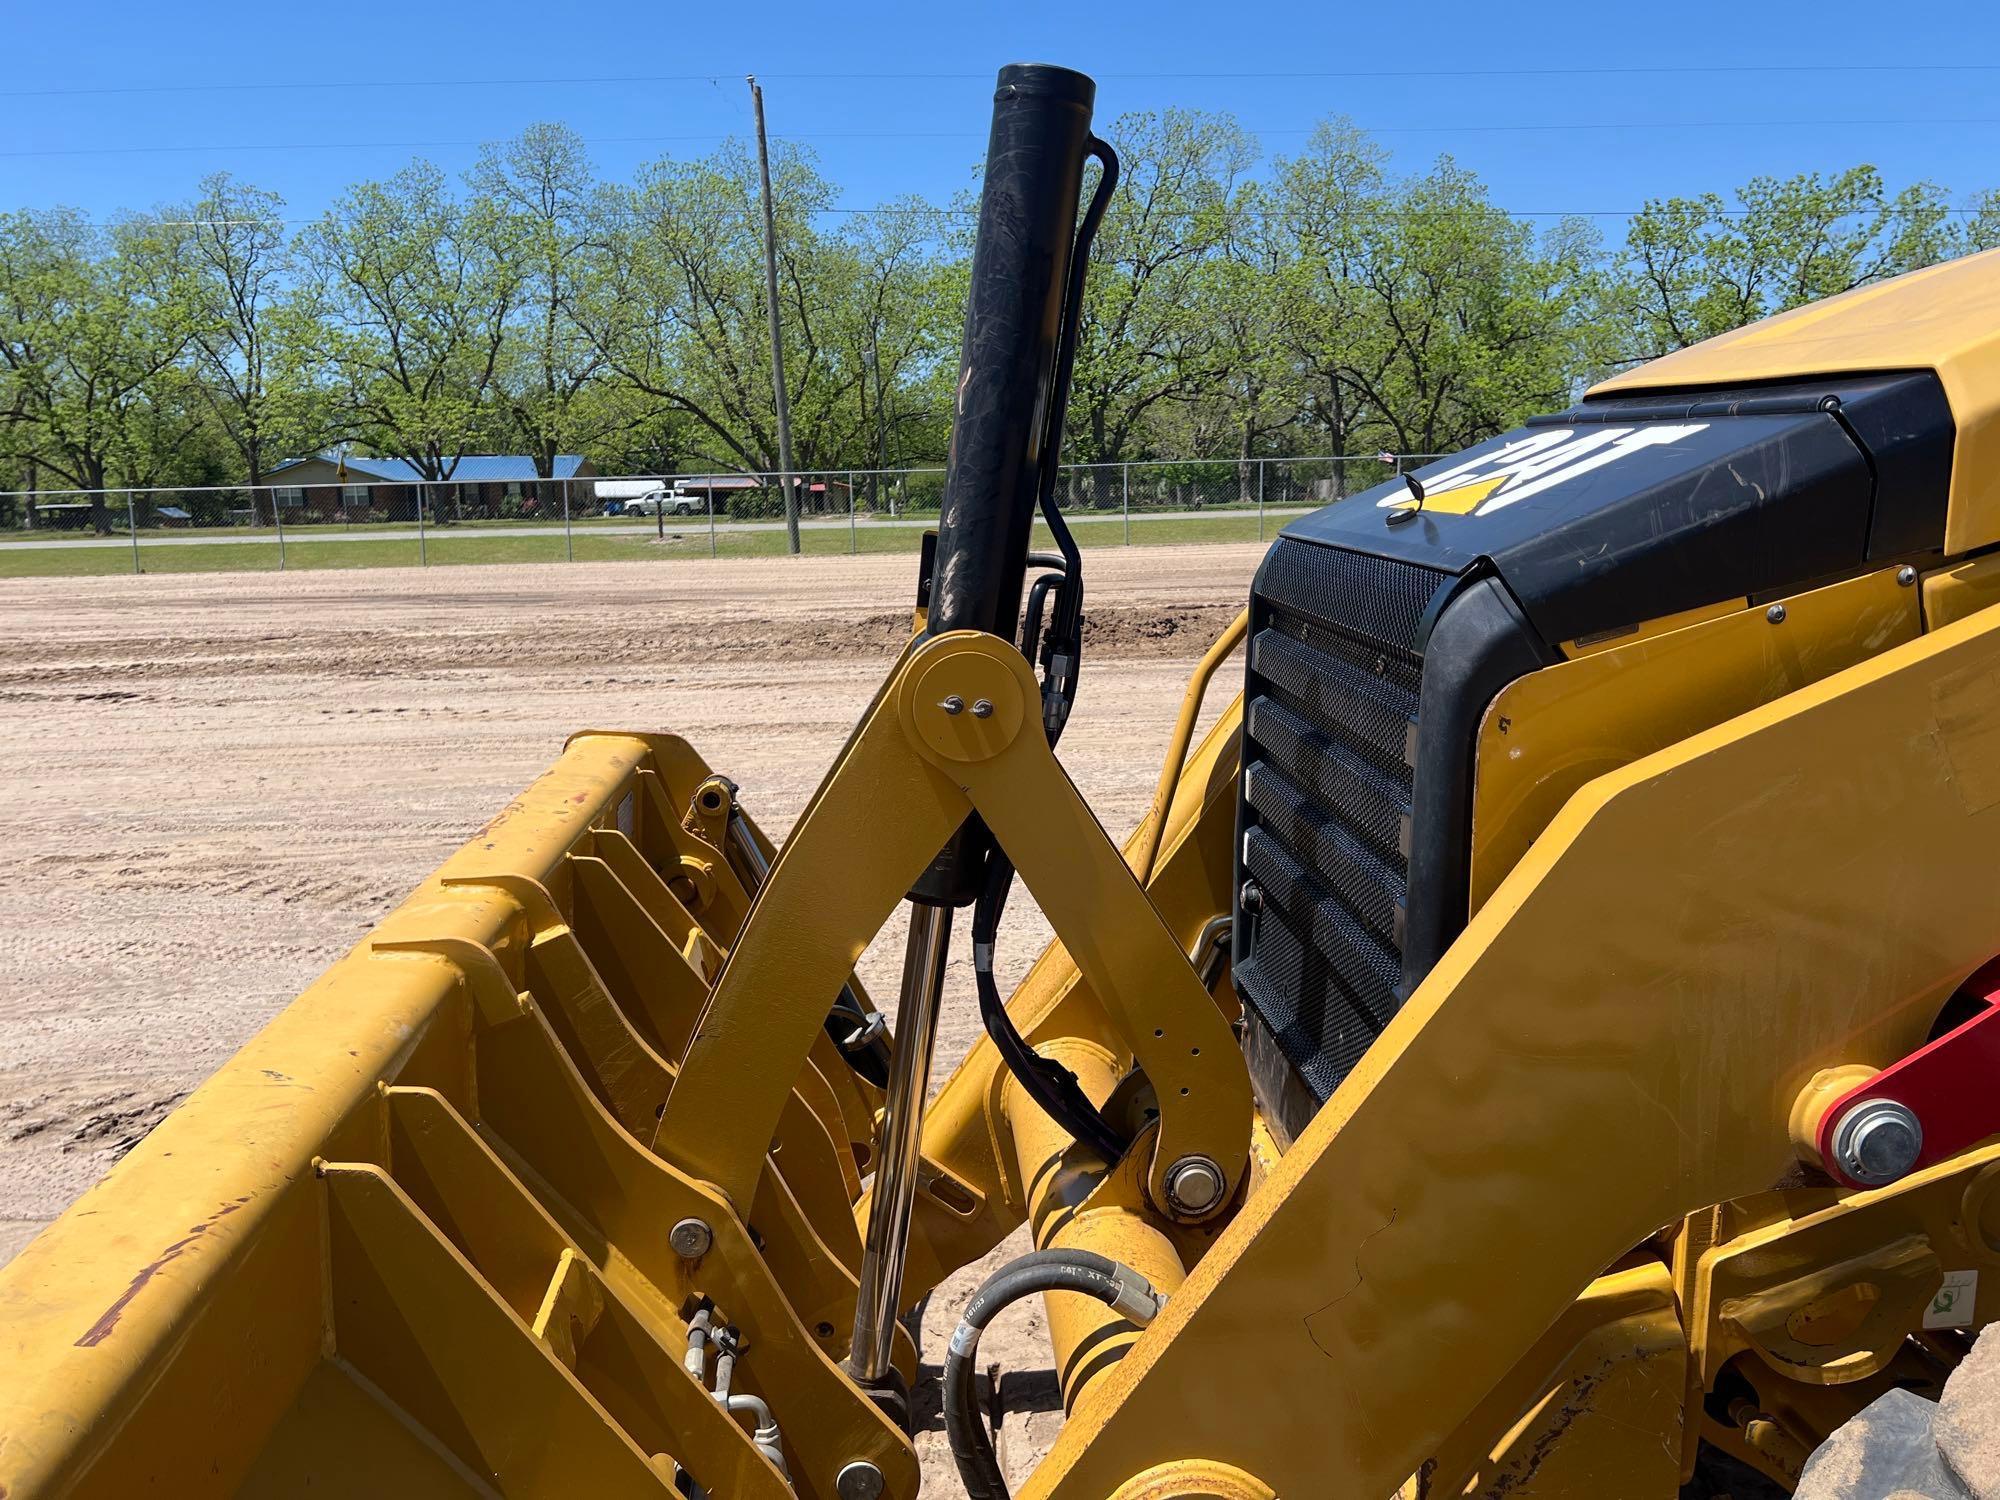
(1550, 127)
(1346, 74)
(608, 140)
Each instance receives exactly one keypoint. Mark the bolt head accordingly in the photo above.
(1194, 1185)
(1877, 1141)
(1775, 614)
(953, 705)
(1251, 897)
(691, 1238)
(859, 1480)
(1906, 575)
(983, 709)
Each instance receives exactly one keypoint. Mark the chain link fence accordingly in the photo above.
(596, 518)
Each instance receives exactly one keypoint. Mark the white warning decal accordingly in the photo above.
(1955, 1302)
(1529, 465)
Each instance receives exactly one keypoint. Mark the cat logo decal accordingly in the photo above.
(1529, 465)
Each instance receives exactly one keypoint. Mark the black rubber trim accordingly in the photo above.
(1480, 643)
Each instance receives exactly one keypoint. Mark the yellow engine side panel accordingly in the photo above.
(1548, 733)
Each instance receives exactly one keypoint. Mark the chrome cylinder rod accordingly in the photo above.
(879, 1294)
(746, 849)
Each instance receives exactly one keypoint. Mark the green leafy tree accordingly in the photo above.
(674, 309)
(1694, 267)
(1231, 312)
(171, 437)
(254, 342)
(85, 334)
(419, 291)
(1328, 201)
(1466, 321)
(1981, 230)
(1256, 390)
(677, 307)
(542, 183)
(896, 317)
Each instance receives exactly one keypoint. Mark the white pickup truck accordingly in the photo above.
(665, 503)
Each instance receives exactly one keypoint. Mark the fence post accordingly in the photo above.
(711, 520)
(423, 556)
(1260, 499)
(1125, 476)
(853, 544)
(278, 520)
(132, 525)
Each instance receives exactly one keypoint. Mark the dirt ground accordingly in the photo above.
(217, 783)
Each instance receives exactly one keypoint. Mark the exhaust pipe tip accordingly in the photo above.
(1045, 81)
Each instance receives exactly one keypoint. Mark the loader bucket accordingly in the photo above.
(413, 1239)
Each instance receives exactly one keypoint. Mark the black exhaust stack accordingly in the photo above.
(1007, 417)
(1013, 323)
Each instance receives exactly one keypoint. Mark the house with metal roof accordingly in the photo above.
(481, 486)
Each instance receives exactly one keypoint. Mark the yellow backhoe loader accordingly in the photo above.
(1541, 1042)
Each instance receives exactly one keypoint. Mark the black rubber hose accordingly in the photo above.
(869, 1058)
(1078, 1271)
(1031, 617)
(1072, 315)
(1046, 1081)
(1038, 598)
(1066, 627)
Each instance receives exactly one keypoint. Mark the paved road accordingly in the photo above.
(301, 535)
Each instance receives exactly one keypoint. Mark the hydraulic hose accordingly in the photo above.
(1079, 1271)
(1043, 1079)
(1031, 618)
(1046, 1081)
(1056, 568)
(1065, 647)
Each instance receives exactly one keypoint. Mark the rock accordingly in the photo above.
(1967, 1430)
(1887, 1452)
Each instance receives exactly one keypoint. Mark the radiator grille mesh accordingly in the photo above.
(1329, 743)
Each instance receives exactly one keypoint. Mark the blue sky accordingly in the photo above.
(894, 97)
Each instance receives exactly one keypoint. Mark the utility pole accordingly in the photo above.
(777, 343)
(872, 360)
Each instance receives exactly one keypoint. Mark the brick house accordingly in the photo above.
(482, 487)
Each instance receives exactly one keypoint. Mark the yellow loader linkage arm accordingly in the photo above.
(1538, 1044)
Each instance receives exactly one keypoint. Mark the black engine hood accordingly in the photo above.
(1627, 509)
